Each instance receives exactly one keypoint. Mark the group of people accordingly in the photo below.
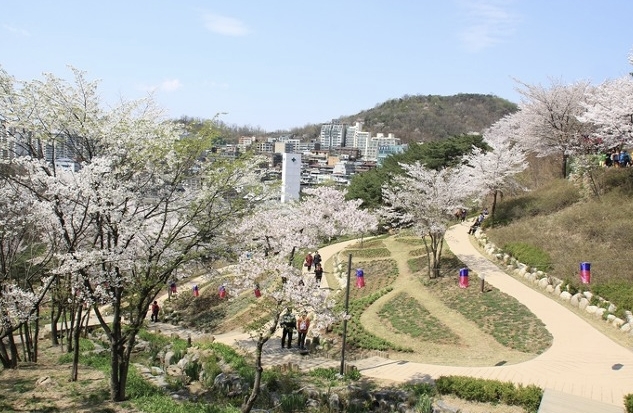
(478, 221)
(620, 159)
(289, 323)
(315, 260)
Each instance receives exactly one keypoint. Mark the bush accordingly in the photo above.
(529, 255)
(618, 292)
(628, 403)
(490, 391)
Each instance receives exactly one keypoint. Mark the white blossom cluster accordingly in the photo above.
(276, 232)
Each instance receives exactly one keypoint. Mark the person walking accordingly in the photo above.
(317, 258)
(288, 324)
(308, 261)
(318, 274)
(303, 324)
(155, 310)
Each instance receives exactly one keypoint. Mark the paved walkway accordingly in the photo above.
(581, 362)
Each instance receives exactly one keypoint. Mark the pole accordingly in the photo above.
(349, 272)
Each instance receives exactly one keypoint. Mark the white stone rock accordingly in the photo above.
(617, 322)
(588, 295)
(591, 309)
(583, 303)
(625, 327)
(543, 282)
(575, 299)
(612, 308)
(565, 296)
(600, 312)
(549, 288)
(610, 318)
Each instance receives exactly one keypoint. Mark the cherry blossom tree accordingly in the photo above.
(494, 169)
(22, 265)
(424, 199)
(610, 108)
(147, 199)
(269, 239)
(548, 117)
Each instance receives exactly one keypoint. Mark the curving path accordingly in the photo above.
(581, 361)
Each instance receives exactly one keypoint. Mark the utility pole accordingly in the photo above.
(349, 272)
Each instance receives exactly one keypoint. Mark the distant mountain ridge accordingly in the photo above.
(421, 118)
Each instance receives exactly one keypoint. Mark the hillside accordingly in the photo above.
(560, 224)
(428, 118)
(412, 118)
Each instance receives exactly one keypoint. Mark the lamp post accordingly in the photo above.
(349, 271)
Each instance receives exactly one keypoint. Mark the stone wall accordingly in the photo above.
(583, 300)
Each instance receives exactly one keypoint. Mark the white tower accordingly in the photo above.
(290, 177)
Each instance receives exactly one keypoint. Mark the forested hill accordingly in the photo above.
(410, 118)
(428, 118)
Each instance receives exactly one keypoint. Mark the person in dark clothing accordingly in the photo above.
(155, 310)
(318, 274)
(288, 324)
(317, 258)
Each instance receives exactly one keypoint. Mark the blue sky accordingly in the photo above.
(278, 64)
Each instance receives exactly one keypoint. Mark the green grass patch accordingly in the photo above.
(491, 391)
(409, 240)
(357, 335)
(407, 316)
(510, 323)
(369, 252)
(530, 255)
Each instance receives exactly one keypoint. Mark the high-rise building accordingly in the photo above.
(332, 135)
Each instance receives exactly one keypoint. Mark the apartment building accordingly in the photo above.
(332, 135)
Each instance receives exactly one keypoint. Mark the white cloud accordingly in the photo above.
(488, 22)
(223, 25)
(16, 30)
(169, 85)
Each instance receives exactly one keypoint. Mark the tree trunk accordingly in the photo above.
(263, 338)
(248, 404)
(428, 256)
(75, 344)
(437, 241)
(494, 205)
(36, 335)
(564, 165)
(55, 315)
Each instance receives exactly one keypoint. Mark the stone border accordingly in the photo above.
(556, 286)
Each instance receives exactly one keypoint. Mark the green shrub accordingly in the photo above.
(192, 370)
(490, 391)
(529, 255)
(628, 403)
(424, 404)
(618, 292)
(100, 362)
(294, 402)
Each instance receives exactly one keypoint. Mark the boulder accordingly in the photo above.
(583, 303)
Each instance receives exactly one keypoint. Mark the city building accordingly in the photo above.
(332, 135)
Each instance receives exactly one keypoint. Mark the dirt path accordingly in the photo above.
(475, 349)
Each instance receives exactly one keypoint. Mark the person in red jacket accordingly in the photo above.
(303, 324)
(308, 261)
(155, 310)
